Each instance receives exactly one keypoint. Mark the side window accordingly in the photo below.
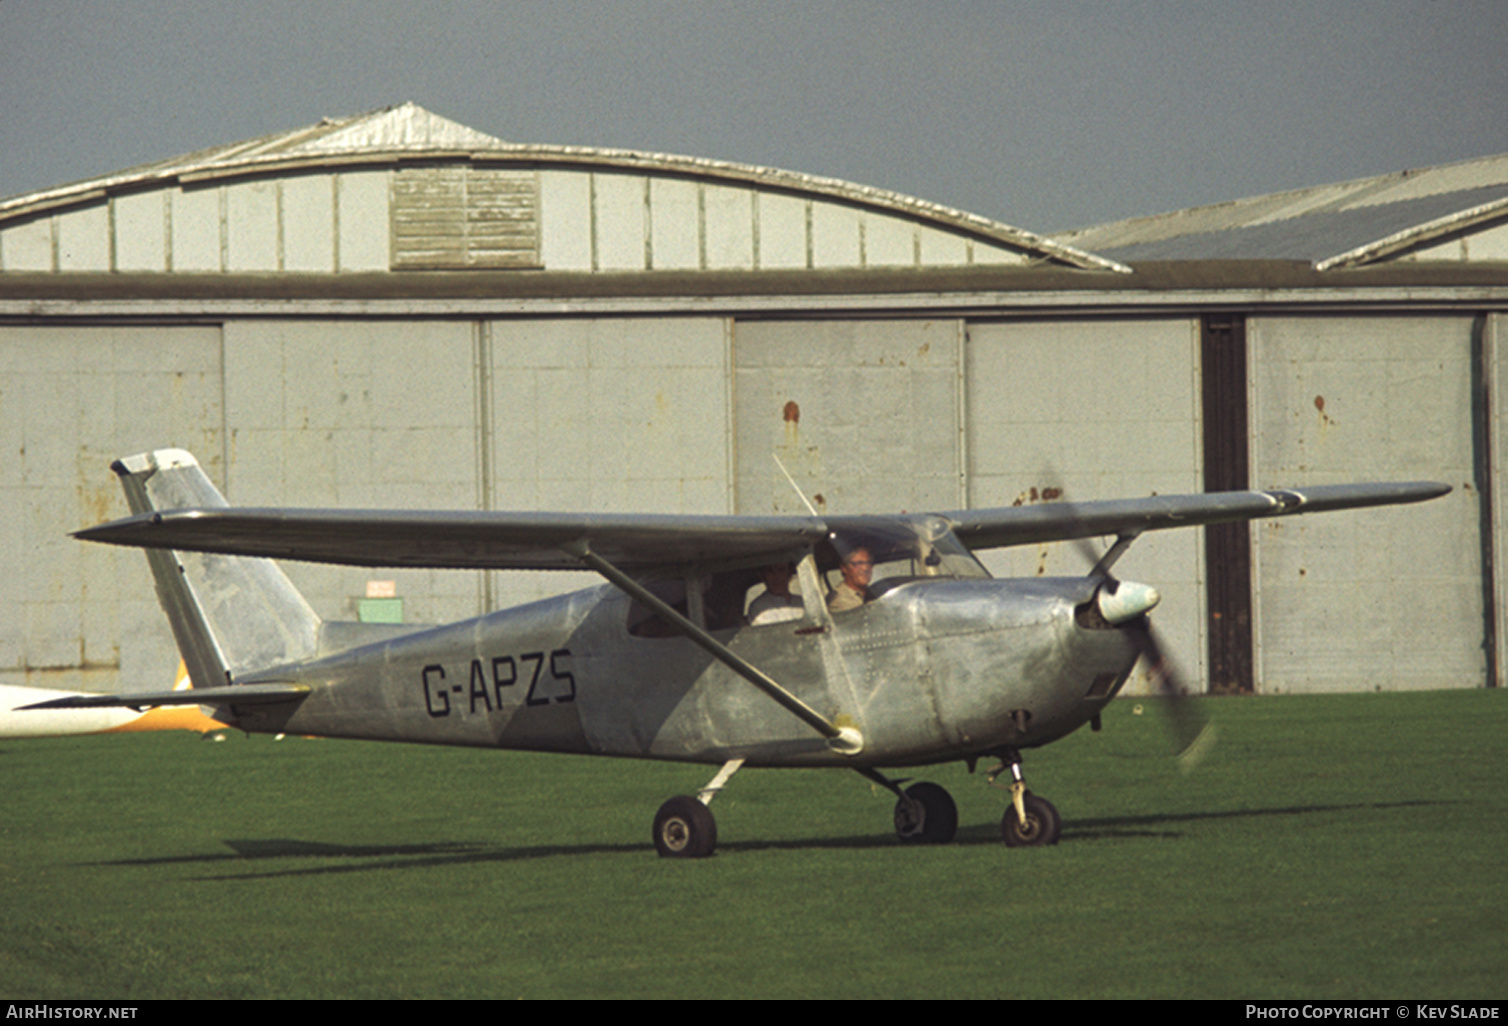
(643, 622)
(725, 599)
(774, 596)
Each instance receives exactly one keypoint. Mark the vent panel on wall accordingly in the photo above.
(446, 217)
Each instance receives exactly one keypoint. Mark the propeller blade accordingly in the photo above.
(1087, 552)
(1193, 734)
(1125, 604)
(1053, 490)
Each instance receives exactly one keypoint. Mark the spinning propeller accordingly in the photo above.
(1192, 732)
(1125, 605)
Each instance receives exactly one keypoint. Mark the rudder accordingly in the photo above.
(229, 614)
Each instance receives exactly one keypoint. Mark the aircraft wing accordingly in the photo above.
(478, 541)
(638, 543)
(1060, 521)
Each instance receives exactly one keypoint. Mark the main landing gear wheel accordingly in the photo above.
(1041, 828)
(926, 815)
(685, 829)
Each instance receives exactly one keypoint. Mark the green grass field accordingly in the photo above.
(1330, 847)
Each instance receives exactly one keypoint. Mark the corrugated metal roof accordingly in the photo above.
(408, 131)
(1338, 225)
(391, 130)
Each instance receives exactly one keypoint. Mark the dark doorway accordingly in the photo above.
(1227, 547)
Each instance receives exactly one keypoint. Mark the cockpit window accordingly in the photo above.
(859, 561)
(899, 551)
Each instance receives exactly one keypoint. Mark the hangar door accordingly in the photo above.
(72, 400)
(615, 415)
(1385, 598)
(1088, 410)
(865, 415)
(361, 415)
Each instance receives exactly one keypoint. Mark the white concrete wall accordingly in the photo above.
(364, 415)
(1387, 598)
(72, 400)
(864, 415)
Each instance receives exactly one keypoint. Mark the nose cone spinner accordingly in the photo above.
(1120, 601)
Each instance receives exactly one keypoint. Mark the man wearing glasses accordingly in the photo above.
(853, 591)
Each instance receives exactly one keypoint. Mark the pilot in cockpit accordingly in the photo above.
(852, 591)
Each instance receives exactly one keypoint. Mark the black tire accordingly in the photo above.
(927, 815)
(685, 829)
(1042, 828)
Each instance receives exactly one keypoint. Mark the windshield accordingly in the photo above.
(899, 550)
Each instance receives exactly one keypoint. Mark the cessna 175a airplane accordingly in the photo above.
(935, 661)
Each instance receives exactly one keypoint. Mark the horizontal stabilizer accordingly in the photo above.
(233, 694)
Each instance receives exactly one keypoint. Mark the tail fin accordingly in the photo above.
(229, 614)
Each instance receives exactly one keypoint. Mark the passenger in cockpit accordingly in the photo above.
(777, 603)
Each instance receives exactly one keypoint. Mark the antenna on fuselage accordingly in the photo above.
(810, 508)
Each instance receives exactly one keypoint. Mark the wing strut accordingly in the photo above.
(845, 740)
(1122, 543)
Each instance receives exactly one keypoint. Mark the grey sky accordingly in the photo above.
(1044, 115)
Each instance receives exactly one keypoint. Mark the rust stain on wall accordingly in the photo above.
(1048, 493)
(1325, 419)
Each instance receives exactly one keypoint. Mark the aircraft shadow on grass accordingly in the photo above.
(366, 857)
(1153, 825)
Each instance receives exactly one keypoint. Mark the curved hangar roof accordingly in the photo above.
(404, 189)
(1451, 213)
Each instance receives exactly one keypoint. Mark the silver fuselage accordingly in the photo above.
(932, 670)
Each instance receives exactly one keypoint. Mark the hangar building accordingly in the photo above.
(394, 310)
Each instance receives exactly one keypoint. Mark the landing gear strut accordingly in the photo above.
(1030, 821)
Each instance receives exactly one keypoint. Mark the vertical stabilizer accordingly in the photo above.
(229, 614)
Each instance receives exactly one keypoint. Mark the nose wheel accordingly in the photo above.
(1040, 825)
(1030, 822)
